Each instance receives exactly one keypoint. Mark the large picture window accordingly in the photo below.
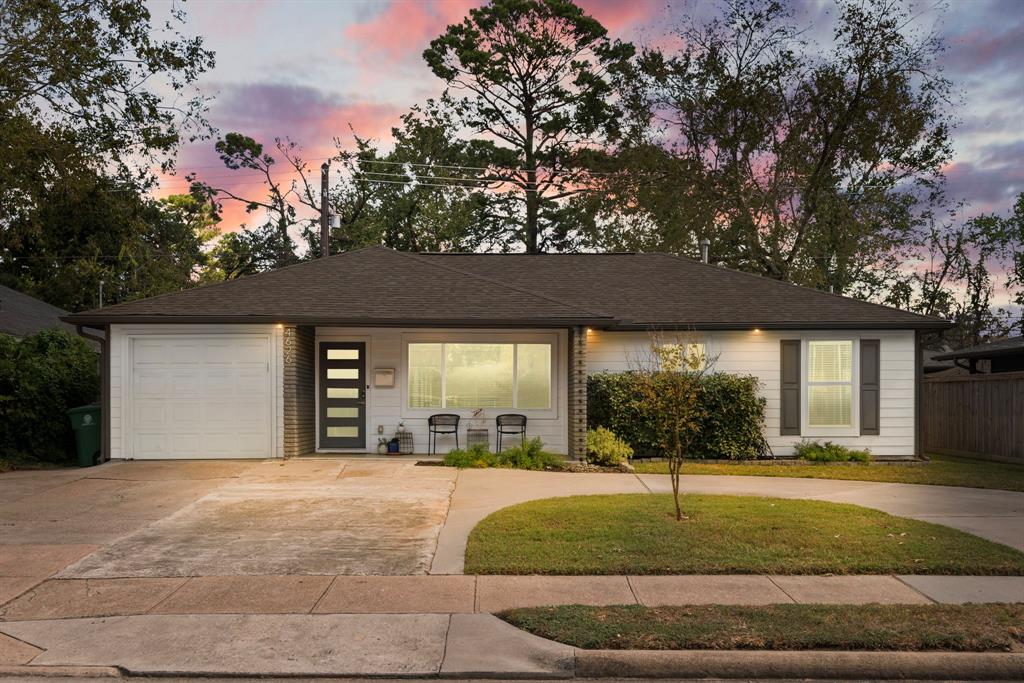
(479, 375)
(829, 383)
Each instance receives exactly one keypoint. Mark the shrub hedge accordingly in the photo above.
(731, 429)
(41, 376)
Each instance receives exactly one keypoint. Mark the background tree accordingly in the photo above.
(803, 163)
(966, 262)
(278, 207)
(423, 195)
(534, 78)
(137, 245)
(85, 121)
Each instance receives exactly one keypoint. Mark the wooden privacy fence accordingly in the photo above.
(979, 416)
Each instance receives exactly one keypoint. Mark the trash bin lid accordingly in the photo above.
(84, 409)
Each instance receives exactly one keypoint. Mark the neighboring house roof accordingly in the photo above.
(22, 315)
(623, 291)
(1012, 346)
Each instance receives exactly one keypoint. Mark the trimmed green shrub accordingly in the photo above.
(476, 456)
(41, 377)
(731, 427)
(529, 456)
(604, 448)
(815, 451)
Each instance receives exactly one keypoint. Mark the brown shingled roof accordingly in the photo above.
(380, 286)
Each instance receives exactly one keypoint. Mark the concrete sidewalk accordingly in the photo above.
(339, 645)
(437, 646)
(90, 598)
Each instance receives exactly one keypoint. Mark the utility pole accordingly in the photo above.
(325, 212)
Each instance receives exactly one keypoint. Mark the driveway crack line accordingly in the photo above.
(170, 595)
(632, 590)
(444, 649)
(643, 483)
(916, 590)
(312, 610)
(784, 592)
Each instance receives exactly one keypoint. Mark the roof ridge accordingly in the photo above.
(790, 284)
(415, 256)
(245, 278)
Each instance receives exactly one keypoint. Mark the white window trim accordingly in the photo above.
(808, 430)
(482, 338)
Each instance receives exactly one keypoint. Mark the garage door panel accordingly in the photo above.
(150, 414)
(186, 414)
(149, 382)
(185, 383)
(201, 397)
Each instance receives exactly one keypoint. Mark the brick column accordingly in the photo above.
(299, 379)
(578, 393)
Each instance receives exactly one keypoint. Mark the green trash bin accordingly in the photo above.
(85, 421)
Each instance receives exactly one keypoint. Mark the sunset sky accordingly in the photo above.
(311, 69)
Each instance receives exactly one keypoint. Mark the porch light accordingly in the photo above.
(757, 330)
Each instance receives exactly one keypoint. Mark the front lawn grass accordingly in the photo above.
(960, 628)
(940, 470)
(638, 534)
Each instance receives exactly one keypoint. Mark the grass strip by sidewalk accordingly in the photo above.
(638, 534)
(959, 628)
(940, 470)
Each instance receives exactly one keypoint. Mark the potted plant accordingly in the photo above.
(401, 427)
(382, 445)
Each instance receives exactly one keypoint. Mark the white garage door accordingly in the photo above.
(201, 397)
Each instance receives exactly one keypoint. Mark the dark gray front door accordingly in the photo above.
(343, 395)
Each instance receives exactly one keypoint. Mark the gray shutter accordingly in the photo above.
(870, 385)
(789, 420)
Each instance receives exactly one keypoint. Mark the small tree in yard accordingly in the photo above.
(669, 387)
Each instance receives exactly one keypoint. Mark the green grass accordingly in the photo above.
(638, 534)
(959, 628)
(939, 470)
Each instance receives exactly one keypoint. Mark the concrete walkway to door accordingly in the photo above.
(995, 515)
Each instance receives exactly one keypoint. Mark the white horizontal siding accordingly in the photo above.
(758, 354)
(384, 406)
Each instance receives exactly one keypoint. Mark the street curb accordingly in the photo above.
(30, 671)
(819, 664)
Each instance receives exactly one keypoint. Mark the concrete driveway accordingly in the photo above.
(326, 517)
(174, 519)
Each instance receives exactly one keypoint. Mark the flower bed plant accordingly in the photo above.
(529, 456)
(815, 451)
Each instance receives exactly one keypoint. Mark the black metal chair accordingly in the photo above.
(442, 423)
(511, 423)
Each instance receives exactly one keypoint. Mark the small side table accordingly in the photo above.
(475, 435)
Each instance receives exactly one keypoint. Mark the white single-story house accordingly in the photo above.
(328, 355)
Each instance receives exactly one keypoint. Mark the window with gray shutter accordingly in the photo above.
(789, 421)
(870, 385)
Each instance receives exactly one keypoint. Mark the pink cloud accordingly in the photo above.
(619, 15)
(310, 117)
(403, 30)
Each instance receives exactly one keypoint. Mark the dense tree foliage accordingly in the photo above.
(85, 121)
(535, 78)
(805, 163)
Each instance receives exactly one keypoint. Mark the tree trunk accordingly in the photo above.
(531, 217)
(532, 200)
